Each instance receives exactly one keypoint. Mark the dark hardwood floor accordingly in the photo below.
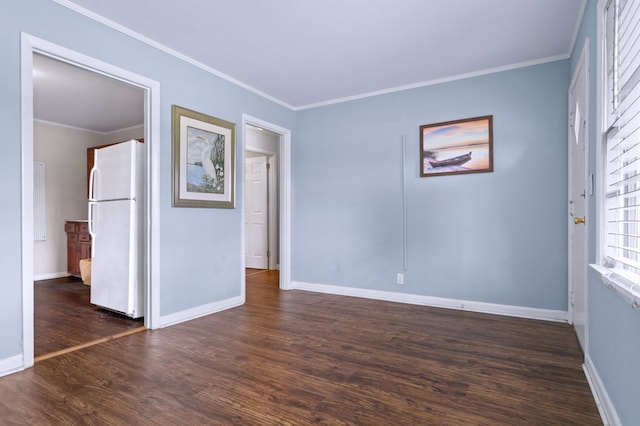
(295, 358)
(64, 317)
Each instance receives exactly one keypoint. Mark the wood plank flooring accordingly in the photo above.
(295, 358)
(64, 317)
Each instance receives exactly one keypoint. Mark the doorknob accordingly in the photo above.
(578, 220)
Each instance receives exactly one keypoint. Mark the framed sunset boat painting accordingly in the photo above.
(457, 147)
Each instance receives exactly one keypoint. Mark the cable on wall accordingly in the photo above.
(404, 204)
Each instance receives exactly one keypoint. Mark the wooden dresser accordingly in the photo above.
(78, 244)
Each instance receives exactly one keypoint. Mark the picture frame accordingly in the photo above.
(203, 160)
(457, 147)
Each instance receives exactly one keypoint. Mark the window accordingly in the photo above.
(620, 233)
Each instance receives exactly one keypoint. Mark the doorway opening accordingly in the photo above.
(267, 201)
(98, 111)
(261, 213)
(34, 51)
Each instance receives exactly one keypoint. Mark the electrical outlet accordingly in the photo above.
(399, 278)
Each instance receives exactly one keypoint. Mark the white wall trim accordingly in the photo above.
(111, 132)
(273, 219)
(120, 28)
(50, 276)
(11, 365)
(605, 406)
(437, 302)
(27, 45)
(67, 126)
(152, 134)
(200, 311)
(109, 23)
(284, 145)
(600, 113)
(437, 81)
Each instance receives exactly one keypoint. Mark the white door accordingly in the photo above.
(579, 191)
(255, 213)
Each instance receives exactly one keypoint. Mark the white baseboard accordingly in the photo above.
(200, 311)
(438, 302)
(605, 406)
(50, 276)
(11, 365)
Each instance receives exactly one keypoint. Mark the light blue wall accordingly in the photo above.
(200, 258)
(613, 325)
(496, 237)
(614, 345)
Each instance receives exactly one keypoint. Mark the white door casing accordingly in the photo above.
(274, 217)
(256, 213)
(579, 192)
(284, 198)
(29, 45)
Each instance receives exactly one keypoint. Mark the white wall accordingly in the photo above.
(261, 140)
(64, 152)
(136, 132)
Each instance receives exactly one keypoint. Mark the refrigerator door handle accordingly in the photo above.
(91, 230)
(91, 179)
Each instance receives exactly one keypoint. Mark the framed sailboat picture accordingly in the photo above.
(203, 154)
(457, 147)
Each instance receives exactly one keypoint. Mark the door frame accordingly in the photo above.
(284, 190)
(30, 45)
(582, 65)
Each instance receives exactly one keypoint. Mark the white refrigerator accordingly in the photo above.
(116, 225)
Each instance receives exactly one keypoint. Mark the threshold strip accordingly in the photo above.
(88, 344)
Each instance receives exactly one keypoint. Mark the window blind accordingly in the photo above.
(622, 138)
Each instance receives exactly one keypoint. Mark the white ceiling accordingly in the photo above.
(73, 96)
(309, 52)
